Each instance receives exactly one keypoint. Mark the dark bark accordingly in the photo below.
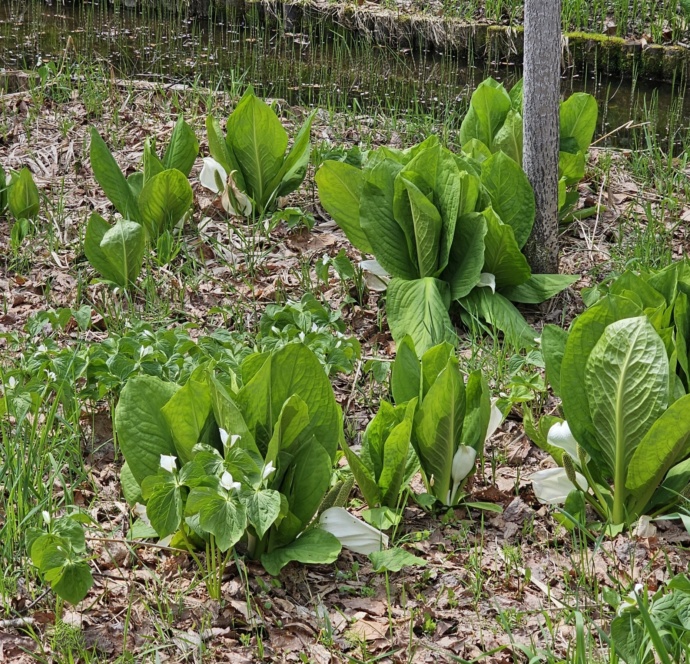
(541, 127)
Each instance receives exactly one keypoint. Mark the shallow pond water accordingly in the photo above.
(305, 62)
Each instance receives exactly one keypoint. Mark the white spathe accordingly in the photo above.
(552, 486)
(352, 532)
(375, 276)
(495, 420)
(487, 280)
(268, 469)
(560, 436)
(207, 177)
(463, 465)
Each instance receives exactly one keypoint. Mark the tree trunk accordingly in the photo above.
(541, 127)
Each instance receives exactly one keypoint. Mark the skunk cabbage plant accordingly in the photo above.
(445, 228)
(628, 417)
(452, 421)
(494, 123)
(249, 167)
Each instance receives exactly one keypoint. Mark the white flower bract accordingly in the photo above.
(352, 532)
(552, 486)
(228, 483)
(168, 462)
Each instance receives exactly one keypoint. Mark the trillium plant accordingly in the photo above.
(218, 466)
(625, 444)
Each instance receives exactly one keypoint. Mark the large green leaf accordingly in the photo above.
(406, 372)
(502, 255)
(293, 369)
(386, 236)
(511, 194)
(291, 423)
(22, 197)
(585, 333)
(304, 484)
(553, 341)
(258, 141)
(477, 411)
(499, 312)
(183, 148)
(395, 454)
(438, 429)
(109, 176)
(466, 255)
(427, 224)
(142, 430)
(627, 381)
(123, 246)
(364, 476)
(95, 232)
(263, 508)
(316, 546)
(164, 503)
(419, 309)
(340, 187)
(489, 108)
(665, 444)
(509, 137)
(539, 288)
(294, 168)
(434, 172)
(186, 415)
(164, 200)
(579, 119)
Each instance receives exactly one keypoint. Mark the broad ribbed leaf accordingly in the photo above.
(109, 176)
(419, 309)
(553, 341)
(142, 431)
(502, 255)
(438, 429)
(585, 333)
(221, 515)
(395, 453)
(258, 141)
(406, 372)
(340, 187)
(509, 137)
(427, 225)
(466, 255)
(186, 414)
(539, 288)
(434, 171)
(183, 148)
(489, 107)
(666, 443)
(626, 379)
(22, 197)
(511, 194)
(164, 200)
(294, 168)
(123, 246)
(95, 232)
(386, 236)
(316, 546)
(483, 305)
(579, 119)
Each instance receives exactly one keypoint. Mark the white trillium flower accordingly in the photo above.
(463, 465)
(12, 382)
(560, 436)
(227, 439)
(631, 599)
(228, 483)
(352, 532)
(268, 469)
(46, 517)
(207, 177)
(552, 486)
(168, 462)
(487, 280)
